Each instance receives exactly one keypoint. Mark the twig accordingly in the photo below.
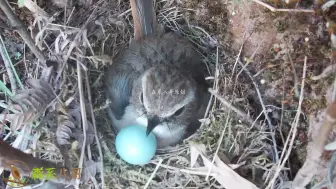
(239, 112)
(292, 131)
(4, 26)
(8, 67)
(17, 63)
(188, 171)
(270, 125)
(327, 181)
(84, 118)
(313, 161)
(11, 64)
(326, 72)
(211, 97)
(330, 176)
(333, 97)
(296, 88)
(219, 144)
(16, 22)
(238, 56)
(34, 8)
(95, 127)
(215, 84)
(126, 12)
(153, 174)
(282, 10)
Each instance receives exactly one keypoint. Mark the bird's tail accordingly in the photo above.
(144, 18)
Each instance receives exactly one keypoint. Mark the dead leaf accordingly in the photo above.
(195, 150)
(75, 112)
(64, 132)
(90, 135)
(67, 129)
(227, 177)
(30, 103)
(34, 8)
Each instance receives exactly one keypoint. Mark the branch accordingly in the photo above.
(17, 23)
(314, 157)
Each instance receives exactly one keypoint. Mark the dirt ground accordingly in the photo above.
(271, 45)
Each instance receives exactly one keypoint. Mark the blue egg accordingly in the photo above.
(134, 146)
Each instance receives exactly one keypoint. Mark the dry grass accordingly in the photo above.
(234, 130)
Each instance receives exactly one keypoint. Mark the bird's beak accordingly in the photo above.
(153, 121)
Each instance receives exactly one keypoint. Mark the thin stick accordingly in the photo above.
(215, 84)
(8, 67)
(238, 56)
(296, 88)
(153, 174)
(211, 97)
(239, 112)
(270, 125)
(84, 118)
(219, 144)
(17, 63)
(282, 10)
(188, 171)
(11, 64)
(95, 127)
(21, 29)
(333, 97)
(293, 130)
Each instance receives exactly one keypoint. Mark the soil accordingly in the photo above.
(276, 44)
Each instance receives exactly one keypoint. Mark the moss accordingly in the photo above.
(281, 25)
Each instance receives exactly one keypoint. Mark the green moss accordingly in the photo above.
(281, 25)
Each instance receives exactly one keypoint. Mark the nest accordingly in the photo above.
(235, 147)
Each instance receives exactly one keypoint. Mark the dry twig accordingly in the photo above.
(311, 164)
(95, 127)
(21, 29)
(84, 117)
(325, 73)
(283, 158)
(153, 174)
(8, 67)
(270, 125)
(296, 88)
(239, 112)
(282, 10)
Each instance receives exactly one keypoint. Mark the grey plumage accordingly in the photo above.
(165, 63)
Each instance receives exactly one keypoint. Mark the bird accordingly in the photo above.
(158, 81)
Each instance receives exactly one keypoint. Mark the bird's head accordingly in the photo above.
(165, 94)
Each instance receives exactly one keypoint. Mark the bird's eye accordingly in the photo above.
(141, 97)
(179, 112)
